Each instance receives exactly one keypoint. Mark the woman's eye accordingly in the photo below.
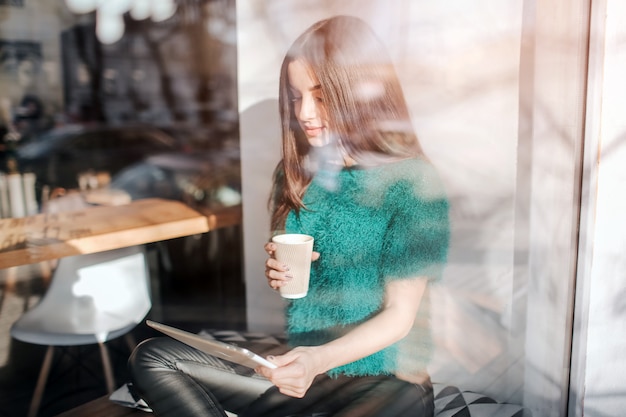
(295, 99)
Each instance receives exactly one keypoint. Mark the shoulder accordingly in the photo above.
(414, 178)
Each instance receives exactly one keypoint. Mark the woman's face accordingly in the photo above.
(308, 104)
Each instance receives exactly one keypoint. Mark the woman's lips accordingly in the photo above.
(313, 131)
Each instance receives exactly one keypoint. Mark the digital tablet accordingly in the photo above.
(216, 348)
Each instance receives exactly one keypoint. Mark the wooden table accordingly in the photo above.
(43, 237)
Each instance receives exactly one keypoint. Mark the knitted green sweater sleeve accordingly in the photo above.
(417, 237)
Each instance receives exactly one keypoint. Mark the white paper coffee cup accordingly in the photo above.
(294, 250)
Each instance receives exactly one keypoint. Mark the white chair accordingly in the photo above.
(92, 298)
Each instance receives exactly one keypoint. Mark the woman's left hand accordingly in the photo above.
(296, 371)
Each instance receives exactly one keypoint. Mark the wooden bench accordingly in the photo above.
(103, 407)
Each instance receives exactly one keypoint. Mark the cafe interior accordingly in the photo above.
(138, 140)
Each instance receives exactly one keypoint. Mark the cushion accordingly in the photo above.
(450, 401)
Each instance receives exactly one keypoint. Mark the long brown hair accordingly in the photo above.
(366, 109)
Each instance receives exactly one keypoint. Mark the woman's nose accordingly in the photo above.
(308, 109)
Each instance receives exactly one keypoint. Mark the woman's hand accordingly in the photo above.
(296, 370)
(277, 274)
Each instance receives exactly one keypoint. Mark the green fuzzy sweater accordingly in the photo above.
(371, 225)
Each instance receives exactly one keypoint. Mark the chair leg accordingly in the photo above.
(41, 382)
(11, 279)
(106, 366)
(130, 341)
(45, 269)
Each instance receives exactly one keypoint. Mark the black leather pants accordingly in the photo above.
(176, 380)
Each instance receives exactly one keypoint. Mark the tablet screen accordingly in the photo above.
(216, 348)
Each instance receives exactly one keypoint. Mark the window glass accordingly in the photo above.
(179, 101)
(489, 108)
(94, 117)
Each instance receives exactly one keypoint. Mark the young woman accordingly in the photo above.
(353, 176)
